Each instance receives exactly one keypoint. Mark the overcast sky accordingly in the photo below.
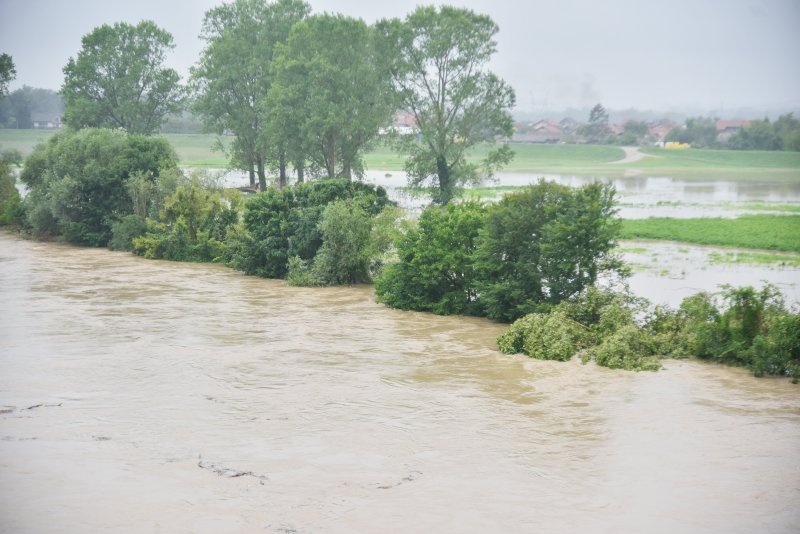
(660, 55)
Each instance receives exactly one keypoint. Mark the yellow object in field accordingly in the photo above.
(676, 145)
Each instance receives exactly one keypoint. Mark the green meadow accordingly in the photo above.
(772, 232)
(196, 150)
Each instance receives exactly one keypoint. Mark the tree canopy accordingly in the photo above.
(438, 59)
(232, 77)
(118, 79)
(78, 181)
(331, 93)
(7, 73)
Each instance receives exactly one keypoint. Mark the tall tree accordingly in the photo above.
(330, 83)
(596, 130)
(233, 77)
(118, 79)
(7, 73)
(438, 59)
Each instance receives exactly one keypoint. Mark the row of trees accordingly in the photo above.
(701, 132)
(308, 93)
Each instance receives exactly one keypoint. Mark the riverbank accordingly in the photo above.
(188, 397)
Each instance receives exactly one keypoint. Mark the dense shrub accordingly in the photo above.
(543, 245)
(193, 225)
(435, 269)
(343, 257)
(745, 327)
(124, 231)
(282, 223)
(10, 212)
(739, 326)
(78, 181)
(629, 347)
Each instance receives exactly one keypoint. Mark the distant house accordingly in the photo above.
(658, 131)
(46, 121)
(726, 128)
(543, 131)
(568, 125)
(403, 123)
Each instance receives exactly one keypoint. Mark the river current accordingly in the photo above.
(148, 396)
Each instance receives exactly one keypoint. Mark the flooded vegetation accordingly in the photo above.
(190, 397)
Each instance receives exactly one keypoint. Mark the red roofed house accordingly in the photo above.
(726, 128)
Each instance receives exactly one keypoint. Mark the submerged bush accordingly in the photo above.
(193, 225)
(124, 231)
(279, 224)
(629, 347)
(739, 326)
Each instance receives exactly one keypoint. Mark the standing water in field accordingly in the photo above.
(143, 396)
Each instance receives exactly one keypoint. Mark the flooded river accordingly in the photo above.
(145, 396)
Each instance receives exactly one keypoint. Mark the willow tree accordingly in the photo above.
(438, 60)
(232, 77)
(118, 79)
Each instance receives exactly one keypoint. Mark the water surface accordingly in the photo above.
(147, 396)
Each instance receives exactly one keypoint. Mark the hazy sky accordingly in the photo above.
(648, 54)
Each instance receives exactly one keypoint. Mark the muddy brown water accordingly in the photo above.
(147, 396)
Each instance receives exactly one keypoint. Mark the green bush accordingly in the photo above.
(435, 269)
(343, 257)
(542, 245)
(78, 181)
(282, 223)
(193, 226)
(124, 231)
(10, 212)
(738, 326)
(301, 273)
(630, 348)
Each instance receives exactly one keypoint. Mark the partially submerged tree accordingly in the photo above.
(118, 79)
(233, 76)
(438, 59)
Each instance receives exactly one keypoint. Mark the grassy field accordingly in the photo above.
(755, 258)
(773, 232)
(195, 150)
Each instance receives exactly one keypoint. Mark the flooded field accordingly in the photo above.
(146, 396)
(642, 196)
(668, 272)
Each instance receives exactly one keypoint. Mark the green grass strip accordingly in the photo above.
(771, 232)
(755, 258)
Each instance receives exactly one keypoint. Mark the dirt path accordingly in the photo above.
(632, 154)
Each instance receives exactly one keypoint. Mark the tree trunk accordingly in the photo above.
(262, 177)
(282, 171)
(300, 173)
(252, 176)
(445, 187)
